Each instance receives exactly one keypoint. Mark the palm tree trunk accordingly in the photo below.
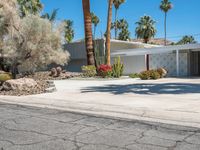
(165, 28)
(115, 24)
(88, 32)
(94, 31)
(109, 20)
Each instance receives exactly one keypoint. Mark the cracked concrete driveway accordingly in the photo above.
(33, 128)
(170, 100)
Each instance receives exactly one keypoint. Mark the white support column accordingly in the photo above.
(177, 63)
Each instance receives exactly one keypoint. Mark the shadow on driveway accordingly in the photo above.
(165, 88)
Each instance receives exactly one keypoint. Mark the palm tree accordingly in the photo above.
(124, 34)
(109, 22)
(68, 29)
(95, 21)
(187, 40)
(165, 6)
(29, 7)
(145, 30)
(88, 32)
(117, 4)
(51, 17)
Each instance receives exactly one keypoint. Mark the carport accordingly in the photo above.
(162, 50)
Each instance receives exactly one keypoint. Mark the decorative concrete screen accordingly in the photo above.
(168, 61)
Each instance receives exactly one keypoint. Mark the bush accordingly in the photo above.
(154, 75)
(89, 71)
(5, 76)
(134, 75)
(151, 74)
(34, 44)
(117, 68)
(105, 71)
(145, 75)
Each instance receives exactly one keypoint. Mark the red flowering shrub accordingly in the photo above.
(105, 71)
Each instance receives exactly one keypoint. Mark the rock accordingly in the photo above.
(50, 90)
(51, 83)
(19, 84)
(59, 71)
(1, 88)
(2, 72)
(53, 72)
(162, 72)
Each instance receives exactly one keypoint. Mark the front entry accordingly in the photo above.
(195, 63)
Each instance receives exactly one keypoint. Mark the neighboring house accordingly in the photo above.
(178, 60)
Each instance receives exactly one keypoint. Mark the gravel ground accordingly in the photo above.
(42, 79)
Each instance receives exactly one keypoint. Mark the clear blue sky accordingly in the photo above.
(183, 19)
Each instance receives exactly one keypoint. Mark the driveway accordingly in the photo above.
(170, 100)
(32, 128)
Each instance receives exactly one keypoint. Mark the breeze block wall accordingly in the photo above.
(168, 61)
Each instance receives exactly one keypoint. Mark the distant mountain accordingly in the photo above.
(156, 41)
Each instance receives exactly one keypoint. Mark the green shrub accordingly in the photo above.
(154, 74)
(5, 76)
(134, 75)
(151, 74)
(89, 71)
(145, 75)
(117, 68)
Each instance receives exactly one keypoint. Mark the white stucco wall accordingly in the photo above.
(168, 61)
(132, 64)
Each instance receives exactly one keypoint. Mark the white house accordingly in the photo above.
(178, 60)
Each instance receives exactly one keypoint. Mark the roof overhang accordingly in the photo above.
(156, 50)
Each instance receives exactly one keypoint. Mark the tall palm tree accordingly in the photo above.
(124, 34)
(165, 6)
(29, 7)
(88, 32)
(95, 22)
(187, 40)
(51, 17)
(117, 4)
(145, 30)
(109, 22)
(68, 30)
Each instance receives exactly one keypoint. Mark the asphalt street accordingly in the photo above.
(32, 128)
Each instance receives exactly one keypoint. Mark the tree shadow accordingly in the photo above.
(148, 89)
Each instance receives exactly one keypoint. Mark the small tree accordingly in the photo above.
(9, 21)
(68, 31)
(34, 45)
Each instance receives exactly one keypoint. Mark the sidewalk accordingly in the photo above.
(172, 101)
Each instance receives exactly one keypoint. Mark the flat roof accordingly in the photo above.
(155, 50)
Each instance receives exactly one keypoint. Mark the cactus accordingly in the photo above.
(117, 68)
